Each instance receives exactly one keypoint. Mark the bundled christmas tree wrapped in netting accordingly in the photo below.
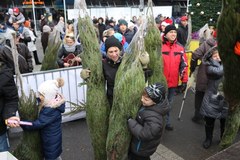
(50, 58)
(128, 88)
(228, 33)
(129, 85)
(30, 146)
(97, 107)
(153, 43)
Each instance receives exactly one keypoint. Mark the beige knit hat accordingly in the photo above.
(50, 88)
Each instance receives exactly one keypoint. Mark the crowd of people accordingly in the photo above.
(114, 38)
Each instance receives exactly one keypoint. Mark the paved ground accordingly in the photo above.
(231, 153)
(184, 142)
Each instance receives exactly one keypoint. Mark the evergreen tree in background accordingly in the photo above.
(204, 11)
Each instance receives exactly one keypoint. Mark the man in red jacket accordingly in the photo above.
(175, 65)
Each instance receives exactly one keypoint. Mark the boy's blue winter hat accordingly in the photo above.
(156, 92)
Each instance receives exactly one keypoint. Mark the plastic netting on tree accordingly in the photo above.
(97, 107)
(129, 85)
(153, 44)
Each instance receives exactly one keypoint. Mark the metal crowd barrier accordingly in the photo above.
(71, 89)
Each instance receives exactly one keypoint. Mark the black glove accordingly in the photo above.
(183, 87)
(129, 117)
(147, 73)
(193, 66)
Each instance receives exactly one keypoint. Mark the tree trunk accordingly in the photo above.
(228, 35)
(232, 127)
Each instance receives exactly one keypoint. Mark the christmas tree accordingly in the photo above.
(228, 36)
(204, 11)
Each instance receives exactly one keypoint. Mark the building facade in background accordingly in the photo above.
(54, 8)
(179, 6)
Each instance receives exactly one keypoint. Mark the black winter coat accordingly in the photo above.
(109, 70)
(24, 58)
(101, 29)
(182, 34)
(44, 40)
(8, 96)
(214, 105)
(147, 129)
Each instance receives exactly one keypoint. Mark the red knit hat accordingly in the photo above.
(184, 18)
(16, 10)
(169, 21)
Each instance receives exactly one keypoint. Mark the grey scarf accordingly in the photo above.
(71, 48)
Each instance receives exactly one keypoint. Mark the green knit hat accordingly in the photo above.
(122, 21)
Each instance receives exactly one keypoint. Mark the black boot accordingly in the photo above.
(197, 118)
(222, 127)
(209, 133)
(36, 58)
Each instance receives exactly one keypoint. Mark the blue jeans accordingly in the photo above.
(171, 93)
(4, 145)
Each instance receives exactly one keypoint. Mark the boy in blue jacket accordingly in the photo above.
(52, 105)
(147, 129)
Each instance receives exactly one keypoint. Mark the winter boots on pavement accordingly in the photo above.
(36, 58)
(209, 134)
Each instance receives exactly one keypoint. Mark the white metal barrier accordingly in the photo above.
(71, 89)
